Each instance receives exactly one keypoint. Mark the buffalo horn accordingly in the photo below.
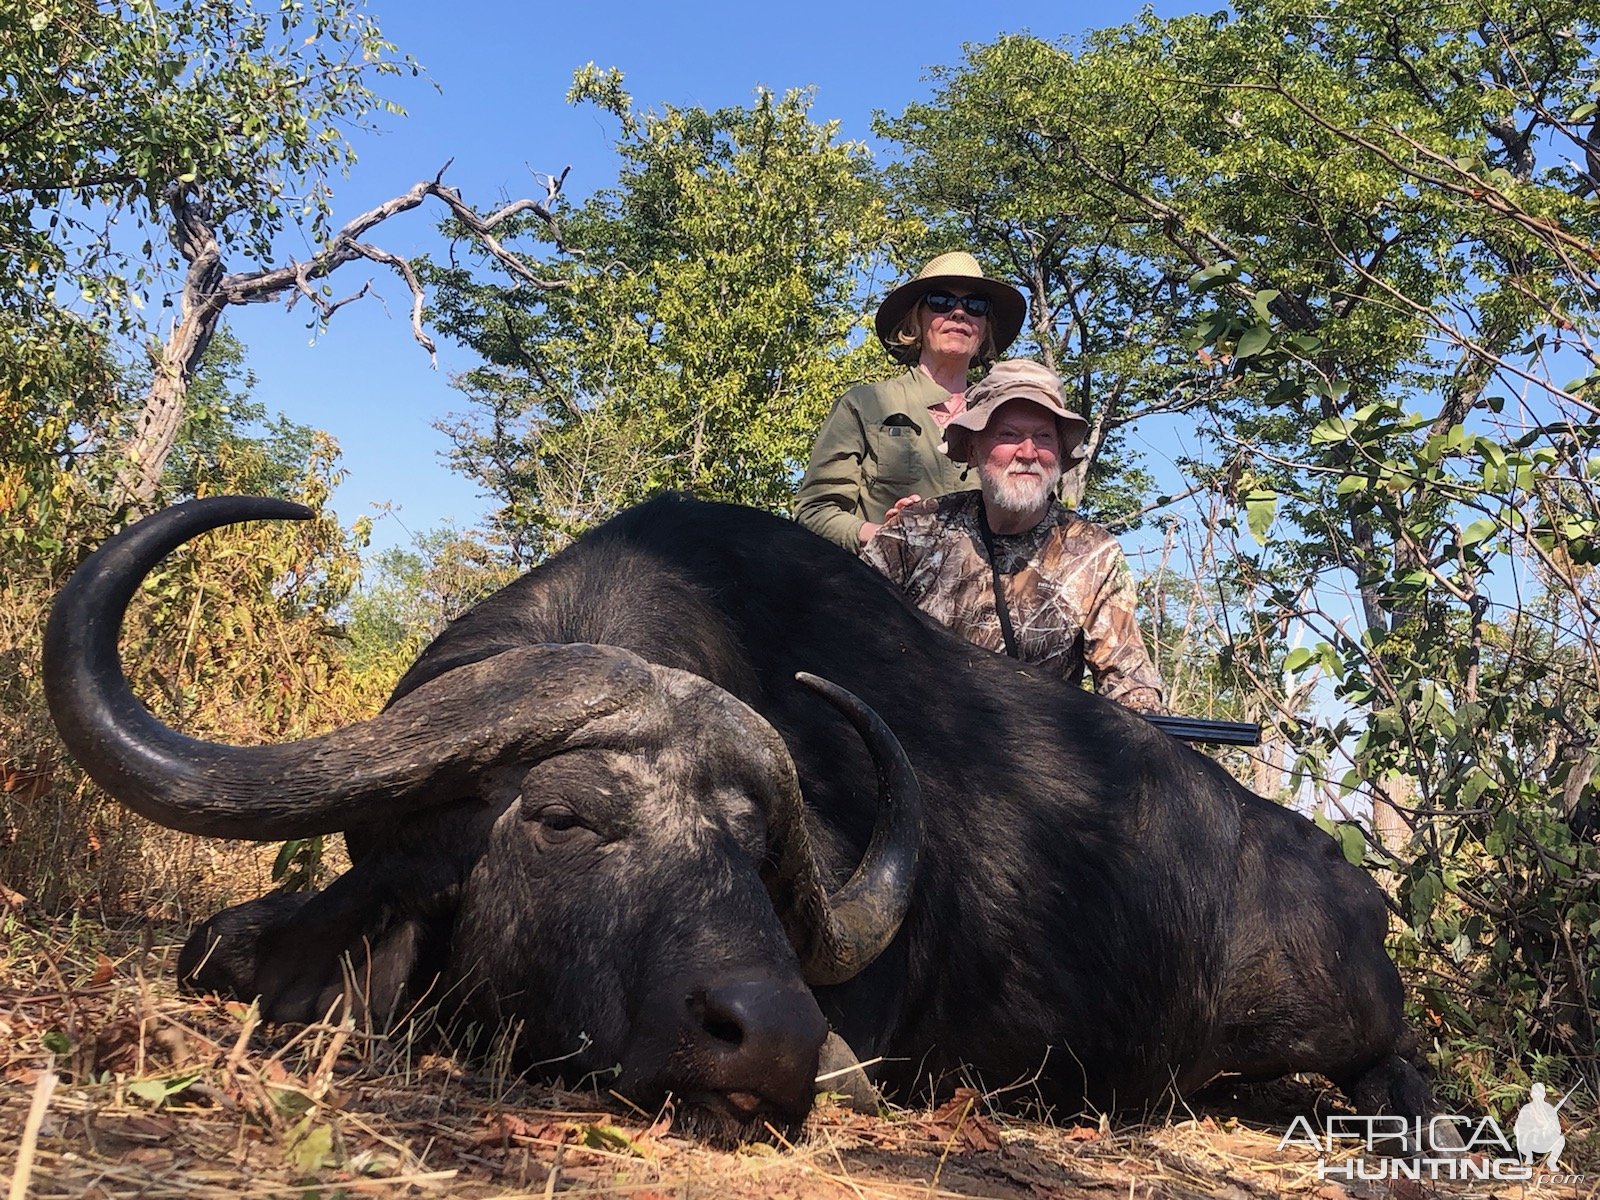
(424, 750)
(837, 935)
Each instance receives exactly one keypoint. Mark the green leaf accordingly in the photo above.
(1334, 429)
(1214, 276)
(1479, 782)
(1353, 843)
(311, 1147)
(608, 1137)
(1351, 484)
(1478, 531)
(1252, 341)
(151, 1091)
(1260, 506)
(1297, 658)
(156, 1091)
(56, 1042)
(1426, 893)
(290, 1102)
(286, 853)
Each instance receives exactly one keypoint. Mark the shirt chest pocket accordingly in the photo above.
(896, 452)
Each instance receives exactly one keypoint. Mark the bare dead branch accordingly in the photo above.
(208, 291)
(403, 269)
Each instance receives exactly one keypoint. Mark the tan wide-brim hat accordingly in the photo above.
(1015, 379)
(957, 269)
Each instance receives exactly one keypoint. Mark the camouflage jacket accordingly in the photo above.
(1067, 587)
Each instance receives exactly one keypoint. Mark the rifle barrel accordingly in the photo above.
(1216, 733)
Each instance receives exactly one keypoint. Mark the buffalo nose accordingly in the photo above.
(759, 1037)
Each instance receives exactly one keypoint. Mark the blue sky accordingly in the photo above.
(502, 70)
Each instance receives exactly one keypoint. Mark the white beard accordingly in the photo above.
(1017, 491)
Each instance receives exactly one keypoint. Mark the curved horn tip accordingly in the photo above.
(860, 713)
(259, 508)
(823, 687)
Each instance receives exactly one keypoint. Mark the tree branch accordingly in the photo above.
(208, 291)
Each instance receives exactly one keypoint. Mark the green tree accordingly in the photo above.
(205, 131)
(408, 595)
(227, 439)
(116, 116)
(982, 164)
(708, 313)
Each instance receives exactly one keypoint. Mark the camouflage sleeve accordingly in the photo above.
(1113, 647)
(891, 552)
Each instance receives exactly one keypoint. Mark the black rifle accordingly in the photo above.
(1215, 733)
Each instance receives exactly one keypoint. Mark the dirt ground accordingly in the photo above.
(113, 1085)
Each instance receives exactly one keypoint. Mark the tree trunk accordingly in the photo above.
(155, 431)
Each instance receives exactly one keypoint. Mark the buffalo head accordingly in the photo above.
(609, 857)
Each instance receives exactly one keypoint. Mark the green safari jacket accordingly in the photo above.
(878, 444)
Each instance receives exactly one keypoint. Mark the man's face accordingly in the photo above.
(955, 334)
(1019, 457)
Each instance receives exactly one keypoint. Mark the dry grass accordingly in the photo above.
(113, 1085)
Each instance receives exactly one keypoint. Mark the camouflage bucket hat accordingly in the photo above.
(1015, 379)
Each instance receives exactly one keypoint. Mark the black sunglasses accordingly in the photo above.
(944, 302)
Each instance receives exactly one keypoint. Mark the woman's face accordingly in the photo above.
(956, 334)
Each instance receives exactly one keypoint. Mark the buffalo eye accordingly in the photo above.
(554, 824)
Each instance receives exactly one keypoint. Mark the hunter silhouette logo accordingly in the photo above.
(1538, 1128)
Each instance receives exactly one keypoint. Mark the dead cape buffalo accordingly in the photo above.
(601, 807)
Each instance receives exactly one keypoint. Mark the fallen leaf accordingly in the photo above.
(663, 1122)
(311, 1147)
(609, 1137)
(952, 1110)
(503, 1127)
(147, 1129)
(116, 1047)
(103, 971)
(959, 1123)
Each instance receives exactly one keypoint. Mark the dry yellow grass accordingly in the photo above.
(114, 1085)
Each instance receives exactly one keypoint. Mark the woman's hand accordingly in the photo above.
(869, 528)
(900, 505)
